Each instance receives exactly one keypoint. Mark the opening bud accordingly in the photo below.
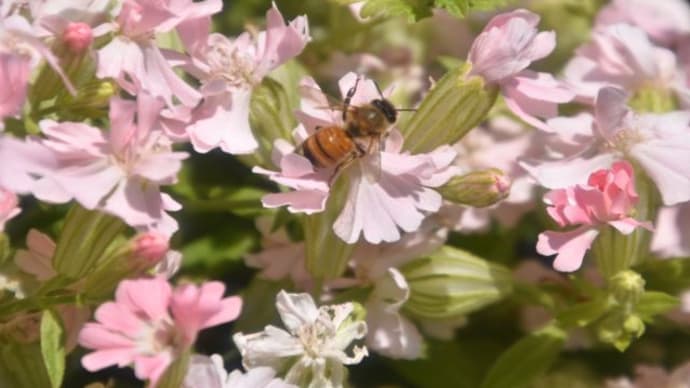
(149, 248)
(627, 287)
(78, 37)
(478, 188)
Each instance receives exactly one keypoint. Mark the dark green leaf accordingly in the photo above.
(526, 360)
(654, 303)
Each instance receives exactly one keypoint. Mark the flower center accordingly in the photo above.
(232, 65)
(159, 337)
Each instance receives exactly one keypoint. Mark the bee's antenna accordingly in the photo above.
(378, 89)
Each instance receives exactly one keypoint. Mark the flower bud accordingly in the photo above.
(627, 287)
(478, 188)
(452, 283)
(456, 104)
(78, 37)
(149, 248)
(8, 207)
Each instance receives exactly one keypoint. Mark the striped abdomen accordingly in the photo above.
(328, 147)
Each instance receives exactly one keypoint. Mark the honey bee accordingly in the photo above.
(364, 129)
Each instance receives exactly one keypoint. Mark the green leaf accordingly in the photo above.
(582, 314)
(458, 8)
(447, 364)
(669, 275)
(455, 105)
(526, 360)
(52, 347)
(653, 303)
(411, 9)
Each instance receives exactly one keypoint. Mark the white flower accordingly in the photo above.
(312, 351)
(208, 372)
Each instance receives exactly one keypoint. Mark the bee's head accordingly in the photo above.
(387, 108)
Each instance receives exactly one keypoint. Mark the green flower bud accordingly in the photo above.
(455, 105)
(620, 329)
(478, 188)
(627, 287)
(452, 283)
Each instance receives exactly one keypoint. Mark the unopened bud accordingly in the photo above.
(452, 283)
(478, 188)
(149, 248)
(8, 206)
(78, 37)
(627, 287)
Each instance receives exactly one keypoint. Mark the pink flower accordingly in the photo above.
(509, 43)
(18, 37)
(119, 172)
(21, 162)
(658, 142)
(14, 78)
(280, 257)
(133, 58)
(397, 192)
(671, 228)
(8, 207)
(621, 55)
(608, 198)
(229, 70)
(664, 21)
(149, 324)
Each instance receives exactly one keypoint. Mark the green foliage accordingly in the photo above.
(52, 347)
(415, 10)
(526, 360)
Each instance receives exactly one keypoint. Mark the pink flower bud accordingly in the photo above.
(8, 206)
(150, 248)
(78, 37)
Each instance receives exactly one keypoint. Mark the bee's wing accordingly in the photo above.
(373, 147)
(314, 98)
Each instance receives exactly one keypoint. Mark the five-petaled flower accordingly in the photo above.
(608, 199)
(149, 324)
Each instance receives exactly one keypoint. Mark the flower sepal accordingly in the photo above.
(457, 103)
(326, 253)
(477, 188)
(452, 283)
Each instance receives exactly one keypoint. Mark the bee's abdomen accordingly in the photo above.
(328, 147)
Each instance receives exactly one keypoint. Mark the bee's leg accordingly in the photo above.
(348, 98)
(357, 153)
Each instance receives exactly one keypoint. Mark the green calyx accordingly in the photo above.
(456, 104)
(478, 188)
(451, 283)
